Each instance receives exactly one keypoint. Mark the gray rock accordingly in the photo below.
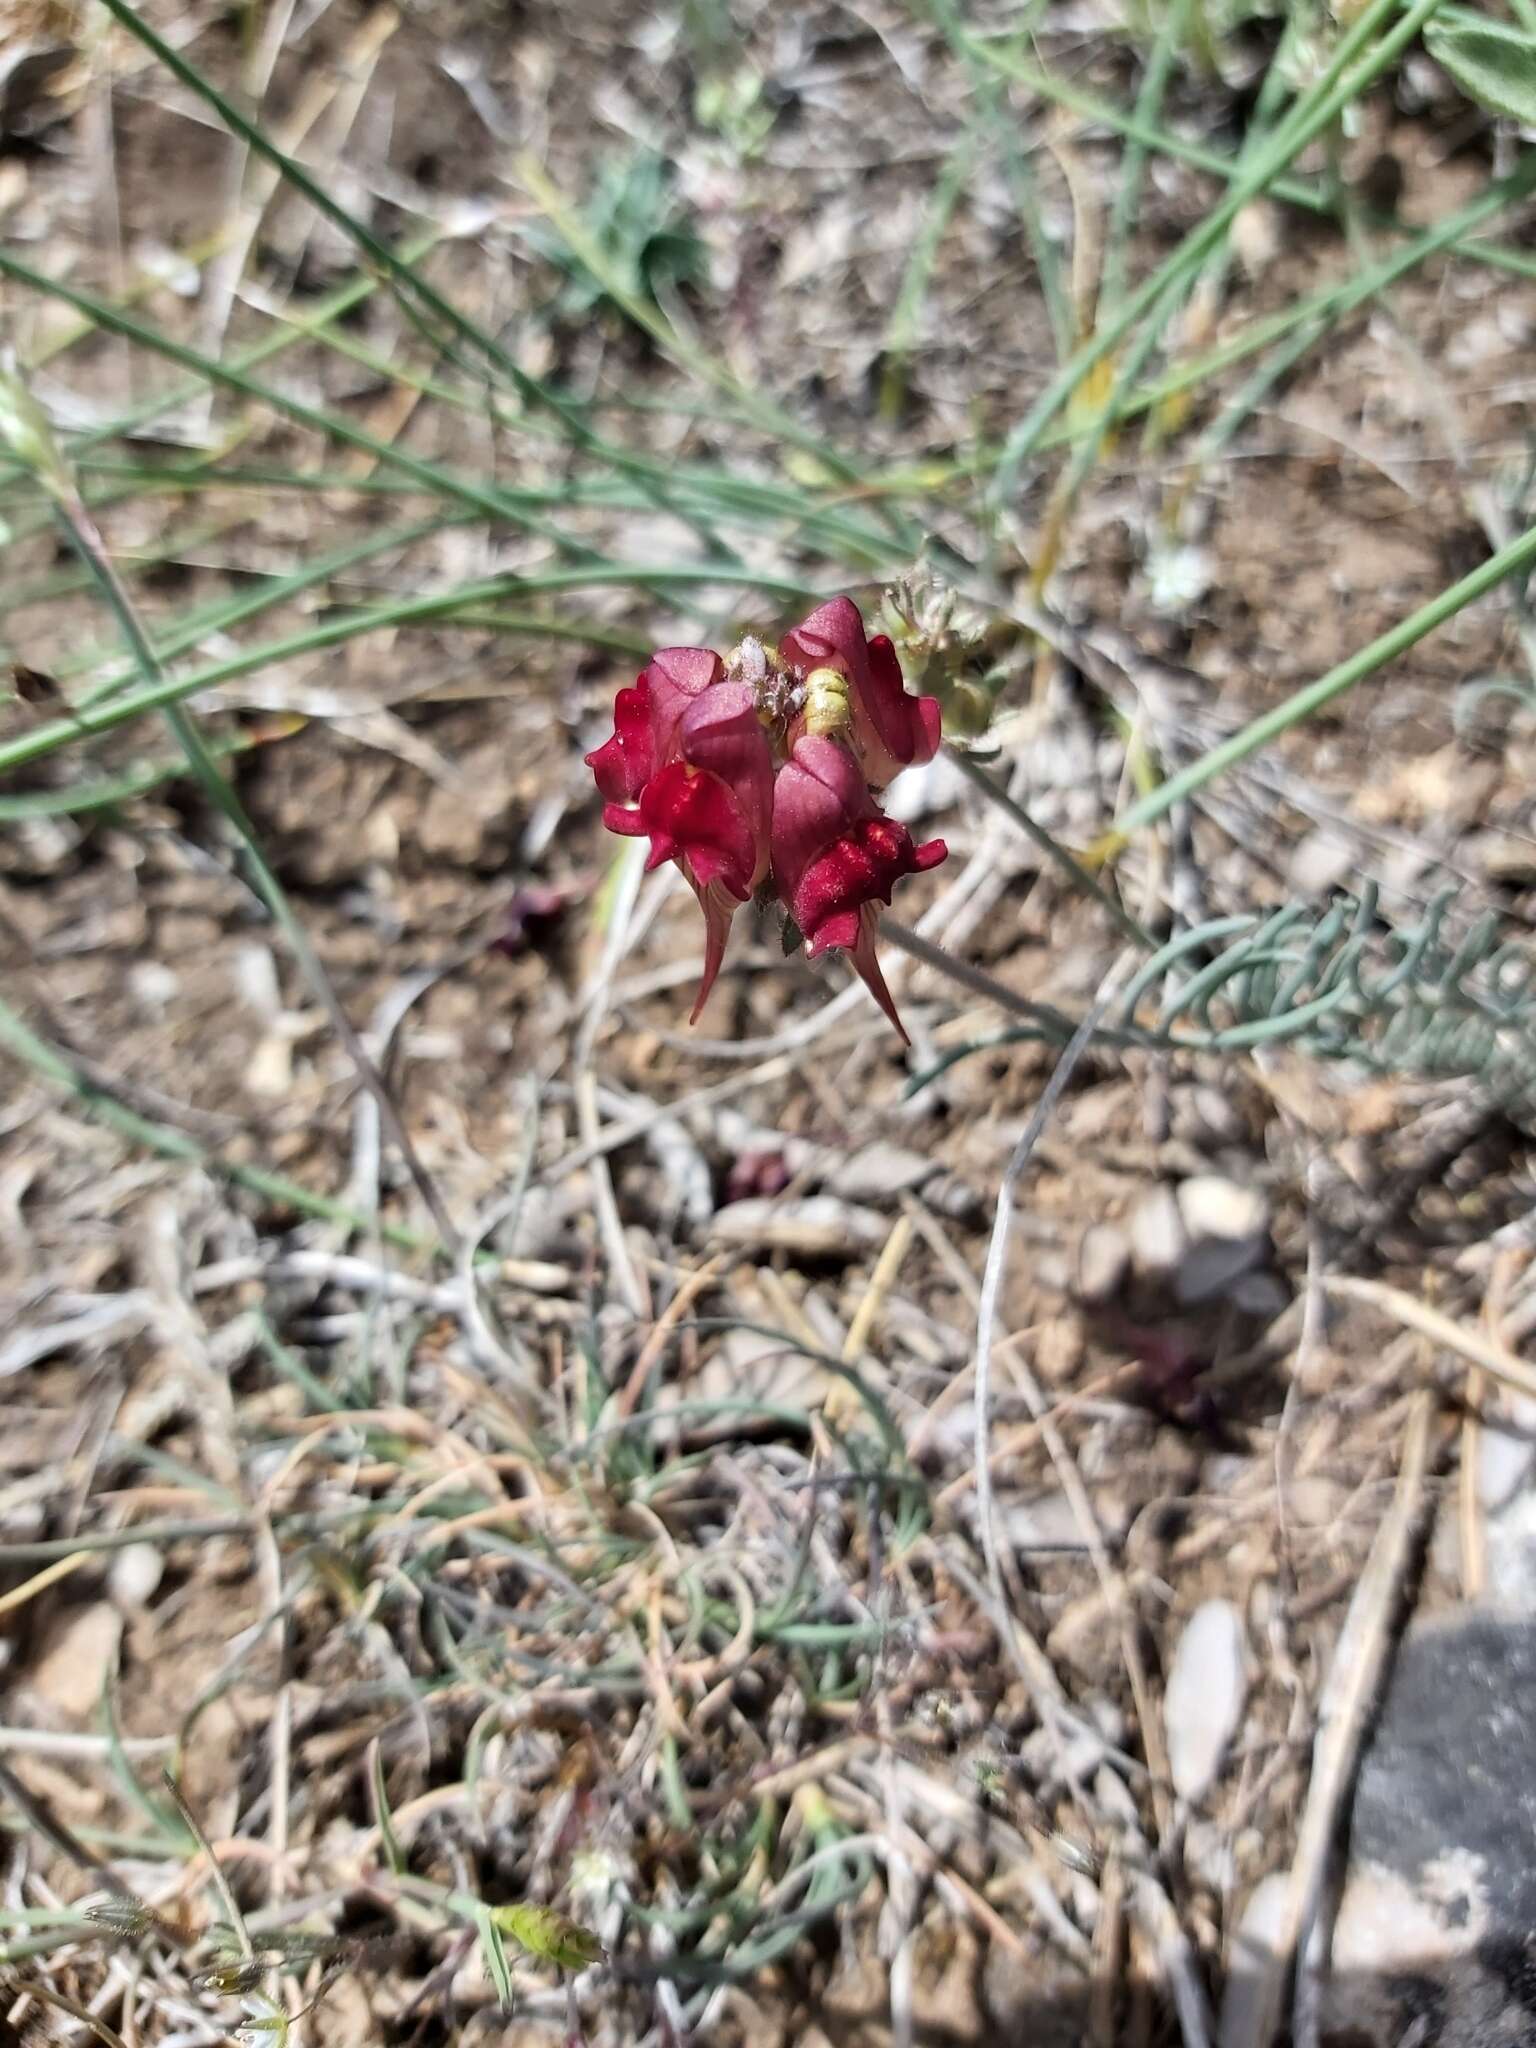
(817, 1227)
(879, 1172)
(1206, 1118)
(1227, 1226)
(1260, 1295)
(1436, 1929)
(1506, 1458)
(1321, 862)
(1251, 1962)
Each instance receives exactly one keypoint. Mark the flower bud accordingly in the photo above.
(828, 712)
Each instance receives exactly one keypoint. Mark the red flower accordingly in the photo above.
(693, 752)
(774, 756)
(836, 855)
(890, 729)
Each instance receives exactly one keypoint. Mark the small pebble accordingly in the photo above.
(78, 1653)
(1157, 1234)
(1261, 1295)
(1321, 862)
(820, 1227)
(1204, 1697)
(879, 1172)
(1228, 1230)
(1103, 1260)
(1207, 1118)
(1254, 1950)
(135, 1577)
(1213, 1206)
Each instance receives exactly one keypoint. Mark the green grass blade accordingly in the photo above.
(1272, 725)
(472, 597)
(1149, 106)
(1341, 83)
(906, 314)
(19, 1039)
(483, 498)
(987, 85)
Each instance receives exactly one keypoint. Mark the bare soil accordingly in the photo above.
(421, 796)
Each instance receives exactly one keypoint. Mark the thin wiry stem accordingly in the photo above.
(996, 1266)
(1052, 848)
(1053, 1023)
(221, 1883)
(1271, 725)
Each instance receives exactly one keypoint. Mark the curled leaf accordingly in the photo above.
(1494, 62)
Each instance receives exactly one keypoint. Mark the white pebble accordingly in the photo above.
(1203, 1702)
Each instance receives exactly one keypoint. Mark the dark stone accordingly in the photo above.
(1451, 1761)
(1437, 1925)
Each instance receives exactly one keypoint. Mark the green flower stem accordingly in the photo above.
(1052, 848)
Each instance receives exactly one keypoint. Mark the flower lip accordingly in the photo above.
(836, 855)
(693, 817)
(862, 867)
(623, 765)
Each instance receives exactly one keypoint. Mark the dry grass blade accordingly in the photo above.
(1494, 1358)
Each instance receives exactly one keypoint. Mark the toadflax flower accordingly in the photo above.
(689, 766)
(836, 855)
(757, 774)
(890, 730)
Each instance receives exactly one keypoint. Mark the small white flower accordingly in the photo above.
(1178, 577)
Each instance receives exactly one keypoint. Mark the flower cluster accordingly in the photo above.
(758, 775)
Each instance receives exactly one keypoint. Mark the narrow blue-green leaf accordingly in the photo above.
(495, 1955)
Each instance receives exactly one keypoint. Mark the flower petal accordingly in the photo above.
(675, 676)
(835, 856)
(722, 734)
(625, 820)
(719, 907)
(861, 867)
(819, 793)
(867, 967)
(891, 729)
(832, 636)
(694, 819)
(624, 764)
